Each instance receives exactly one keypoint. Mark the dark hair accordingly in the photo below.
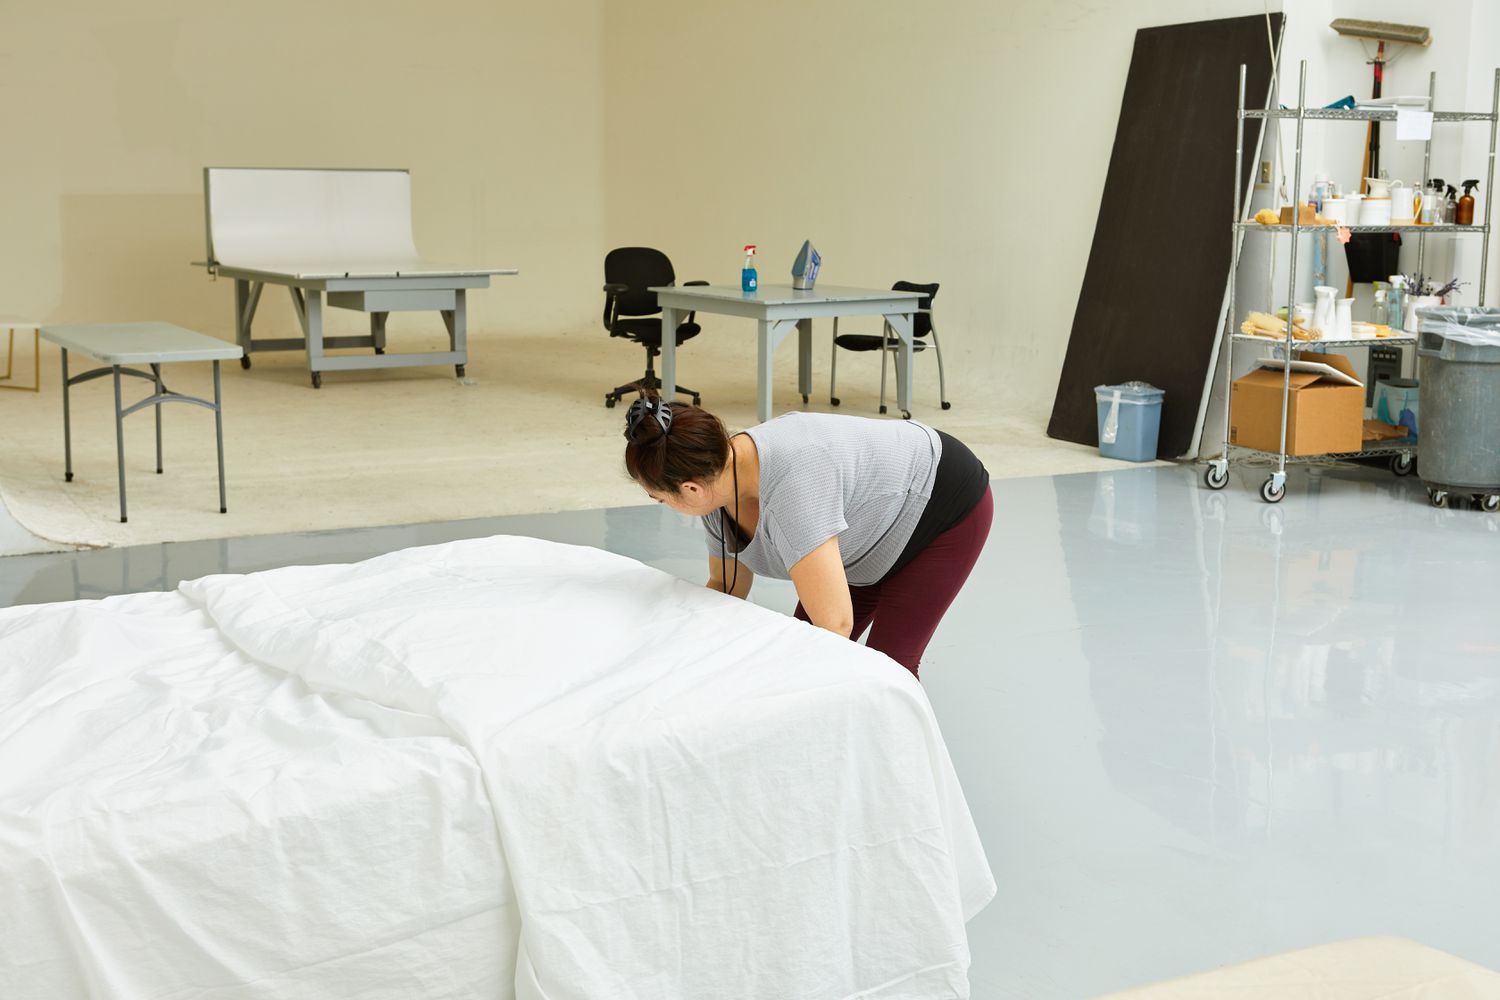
(694, 446)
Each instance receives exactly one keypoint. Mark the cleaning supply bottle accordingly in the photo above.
(1450, 205)
(748, 280)
(1464, 214)
(1380, 313)
(1432, 197)
(1396, 300)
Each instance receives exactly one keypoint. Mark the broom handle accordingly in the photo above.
(1371, 165)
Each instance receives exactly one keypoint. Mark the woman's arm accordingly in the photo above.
(721, 573)
(823, 588)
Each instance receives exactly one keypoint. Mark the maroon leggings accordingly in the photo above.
(907, 605)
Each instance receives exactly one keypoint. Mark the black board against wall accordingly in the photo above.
(1153, 291)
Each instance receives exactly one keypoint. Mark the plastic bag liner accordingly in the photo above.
(1472, 325)
(1132, 393)
(1372, 256)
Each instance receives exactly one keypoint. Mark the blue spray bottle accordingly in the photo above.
(748, 279)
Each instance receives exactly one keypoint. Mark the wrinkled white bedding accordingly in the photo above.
(693, 796)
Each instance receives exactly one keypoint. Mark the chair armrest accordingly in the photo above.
(615, 288)
(685, 284)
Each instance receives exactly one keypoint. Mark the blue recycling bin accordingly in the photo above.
(1129, 420)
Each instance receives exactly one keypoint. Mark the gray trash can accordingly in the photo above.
(1458, 357)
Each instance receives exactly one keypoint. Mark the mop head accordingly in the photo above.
(1382, 31)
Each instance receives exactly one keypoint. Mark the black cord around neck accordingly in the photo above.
(723, 534)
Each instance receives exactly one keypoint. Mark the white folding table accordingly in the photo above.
(337, 237)
(776, 309)
(155, 344)
(13, 325)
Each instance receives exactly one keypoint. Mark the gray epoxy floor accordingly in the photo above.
(1193, 728)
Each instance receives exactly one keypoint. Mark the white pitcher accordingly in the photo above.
(1343, 320)
(1323, 311)
(1404, 204)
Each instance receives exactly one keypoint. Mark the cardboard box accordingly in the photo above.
(1323, 414)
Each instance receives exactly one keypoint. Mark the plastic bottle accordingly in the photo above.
(749, 282)
(1380, 313)
(1450, 205)
(1464, 215)
(1396, 301)
(1432, 196)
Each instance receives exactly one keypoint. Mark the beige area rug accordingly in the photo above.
(1377, 968)
(528, 434)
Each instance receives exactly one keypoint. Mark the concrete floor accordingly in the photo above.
(1193, 728)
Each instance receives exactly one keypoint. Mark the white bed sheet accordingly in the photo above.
(697, 797)
(178, 821)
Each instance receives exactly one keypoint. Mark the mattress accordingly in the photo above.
(504, 767)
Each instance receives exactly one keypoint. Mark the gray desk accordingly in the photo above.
(153, 344)
(333, 238)
(776, 309)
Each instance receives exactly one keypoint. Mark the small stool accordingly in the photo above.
(11, 325)
(153, 344)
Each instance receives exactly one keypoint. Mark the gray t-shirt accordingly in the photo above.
(866, 481)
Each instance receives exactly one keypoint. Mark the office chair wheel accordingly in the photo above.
(882, 409)
(459, 369)
(609, 401)
(947, 405)
(317, 380)
(833, 400)
(697, 399)
(244, 361)
(905, 414)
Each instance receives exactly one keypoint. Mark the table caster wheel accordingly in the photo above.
(882, 409)
(905, 414)
(1269, 493)
(1489, 504)
(947, 405)
(1438, 498)
(245, 361)
(317, 380)
(804, 397)
(68, 477)
(1216, 478)
(833, 401)
(459, 369)
(1403, 465)
(609, 402)
(380, 350)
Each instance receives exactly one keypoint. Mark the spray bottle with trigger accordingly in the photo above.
(748, 280)
(1464, 214)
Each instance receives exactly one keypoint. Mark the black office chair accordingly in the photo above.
(887, 342)
(629, 311)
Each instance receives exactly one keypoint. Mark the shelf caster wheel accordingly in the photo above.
(882, 410)
(317, 380)
(1438, 498)
(1403, 465)
(1270, 492)
(609, 402)
(905, 414)
(245, 361)
(1489, 504)
(459, 369)
(833, 401)
(947, 405)
(1216, 478)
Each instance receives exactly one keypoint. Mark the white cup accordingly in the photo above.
(1375, 212)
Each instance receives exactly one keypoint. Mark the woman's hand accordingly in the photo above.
(823, 588)
(721, 574)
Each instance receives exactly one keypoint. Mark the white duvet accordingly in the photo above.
(497, 768)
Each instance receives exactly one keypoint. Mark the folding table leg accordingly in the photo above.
(219, 435)
(120, 441)
(67, 424)
(156, 371)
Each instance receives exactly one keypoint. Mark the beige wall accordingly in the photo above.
(108, 113)
(959, 141)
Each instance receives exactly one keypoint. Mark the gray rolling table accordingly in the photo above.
(153, 344)
(776, 309)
